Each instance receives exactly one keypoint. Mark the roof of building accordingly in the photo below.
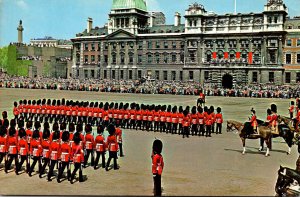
(129, 4)
(97, 31)
(64, 42)
(45, 38)
(166, 29)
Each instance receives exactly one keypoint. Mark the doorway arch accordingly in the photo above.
(227, 81)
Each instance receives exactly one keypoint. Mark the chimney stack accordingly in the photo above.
(89, 25)
(151, 20)
(20, 32)
(177, 19)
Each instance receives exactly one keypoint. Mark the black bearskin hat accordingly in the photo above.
(71, 127)
(194, 110)
(269, 111)
(274, 108)
(219, 109)
(205, 109)
(200, 109)
(15, 104)
(4, 114)
(55, 126)
(46, 133)
(76, 138)
(212, 109)
(63, 126)
(100, 129)
(111, 129)
(169, 108)
(292, 102)
(253, 111)
(22, 132)
(21, 122)
(157, 146)
(55, 135)
(88, 128)
(185, 112)
(121, 105)
(35, 134)
(180, 109)
(28, 124)
(65, 136)
(46, 125)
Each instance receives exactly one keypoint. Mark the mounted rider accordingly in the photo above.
(274, 119)
(253, 121)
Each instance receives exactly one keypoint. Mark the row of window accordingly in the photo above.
(166, 45)
(288, 58)
(271, 77)
(289, 43)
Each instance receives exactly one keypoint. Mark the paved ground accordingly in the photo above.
(194, 166)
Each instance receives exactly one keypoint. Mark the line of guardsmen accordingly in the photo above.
(162, 118)
(60, 148)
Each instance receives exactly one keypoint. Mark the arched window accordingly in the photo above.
(231, 54)
(244, 56)
(122, 58)
(130, 58)
(220, 54)
(208, 56)
(114, 58)
(256, 57)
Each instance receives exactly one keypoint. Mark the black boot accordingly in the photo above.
(69, 175)
(80, 176)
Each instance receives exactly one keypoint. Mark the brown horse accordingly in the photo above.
(245, 132)
(291, 123)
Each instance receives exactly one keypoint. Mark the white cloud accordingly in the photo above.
(153, 5)
(22, 4)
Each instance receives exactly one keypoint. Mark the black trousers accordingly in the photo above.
(291, 115)
(62, 168)
(86, 158)
(208, 130)
(35, 160)
(174, 128)
(156, 125)
(77, 166)
(138, 124)
(169, 127)
(186, 131)
(102, 154)
(51, 168)
(162, 127)
(121, 149)
(157, 184)
(194, 129)
(46, 162)
(2, 155)
(112, 155)
(23, 159)
(201, 129)
(11, 157)
(219, 128)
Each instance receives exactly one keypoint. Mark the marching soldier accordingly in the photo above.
(65, 157)
(150, 118)
(168, 119)
(45, 149)
(208, 122)
(180, 120)
(89, 145)
(16, 111)
(78, 157)
(174, 120)
(212, 112)
(35, 151)
(54, 153)
(186, 122)
(132, 111)
(23, 150)
(12, 145)
(157, 166)
(119, 138)
(138, 116)
(194, 118)
(112, 145)
(163, 119)
(219, 121)
(3, 143)
(156, 115)
(100, 147)
(201, 120)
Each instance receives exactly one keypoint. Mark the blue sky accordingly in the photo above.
(64, 18)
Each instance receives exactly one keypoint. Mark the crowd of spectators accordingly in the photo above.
(150, 87)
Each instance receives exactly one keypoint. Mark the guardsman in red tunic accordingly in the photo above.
(208, 122)
(274, 120)
(65, 156)
(174, 117)
(12, 145)
(43, 110)
(3, 142)
(89, 145)
(20, 108)
(16, 111)
(100, 147)
(126, 116)
(121, 113)
(163, 119)
(219, 121)
(201, 101)
(25, 110)
(201, 120)
(150, 118)
(105, 115)
(186, 122)
(156, 115)
(212, 109)
(112, 146)
(157, 166)
(144, 116)
(253, 121)
(23, 150)
(38, 111)
(180, 120)
(138, 116)
(110, 112)
(132, 113)
(291, 109)
(100, 114)
(77, 157)
(194, 121)
(29, 109)
(45, 150)
(47, 110)
(119, 138)
(54, 153)
(269, 117)
(35, 151)
(169, 119)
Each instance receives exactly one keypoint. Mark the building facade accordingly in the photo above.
(220, 49)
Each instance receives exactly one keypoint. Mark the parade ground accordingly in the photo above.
(193, 166)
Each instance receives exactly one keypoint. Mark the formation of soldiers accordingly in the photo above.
(63, 147)
(157, 118)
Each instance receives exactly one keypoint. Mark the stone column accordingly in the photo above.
(280, 53)
(264, 51)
